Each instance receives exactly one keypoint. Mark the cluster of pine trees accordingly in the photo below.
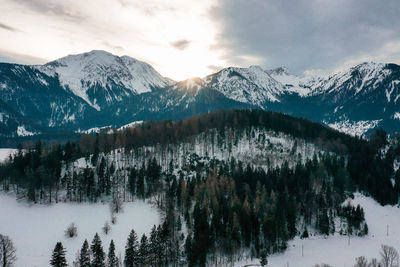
(148, 251)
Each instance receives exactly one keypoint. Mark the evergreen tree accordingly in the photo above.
(58, 257)
(98, 256)
(84, 257)
(132, 181)
(112, 259)
(154, 246)
(143, 252)
(131, 250)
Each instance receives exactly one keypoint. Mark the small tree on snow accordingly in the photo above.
(7, 251)
(361, 262)
(390, 256)
(263, 258)
(116, 206)
(72, 230)
(113, 219)
(106, 228)
(373, 263)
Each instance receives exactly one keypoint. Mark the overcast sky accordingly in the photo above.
(187, 38)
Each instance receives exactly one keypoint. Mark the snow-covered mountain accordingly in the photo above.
(292, 83)
(99, 74)
(366, 94)
(98, 89)
(250, 85)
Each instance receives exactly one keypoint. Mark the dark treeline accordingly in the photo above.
(370, 171)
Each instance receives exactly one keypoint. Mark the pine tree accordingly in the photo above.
(143, 251)
(131, 250)
(84, 258)
(153, 246)
(132, 181)
(112, 258)
(98, 256)
(58, 257)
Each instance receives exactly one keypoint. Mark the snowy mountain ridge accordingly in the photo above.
(249, 85)
(97, 89)
(100, 68)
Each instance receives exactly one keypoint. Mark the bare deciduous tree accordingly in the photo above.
(7, 251)
(361, 262)
(71, 231)
(116, 206)
(390, 256)
(106, 228)
(373, 263)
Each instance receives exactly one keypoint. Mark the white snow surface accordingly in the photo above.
(5, 153)
(335, 250)
(292, 82)
(130, 125)
(79, 72)
(22, 131)
(36, 228)
(354, 128)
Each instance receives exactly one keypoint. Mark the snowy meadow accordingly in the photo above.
(35, 229)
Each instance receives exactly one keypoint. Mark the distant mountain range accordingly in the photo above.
(97, 89)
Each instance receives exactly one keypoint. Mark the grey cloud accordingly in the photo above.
(214, 68)
(57, 8)
(115, 47)
(181, 44)
(11, 57)
(6, 27)
(304, 34)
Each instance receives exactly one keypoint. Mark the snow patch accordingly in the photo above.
(22, 131)
(130, 125)
(354, 128)
(6, 152)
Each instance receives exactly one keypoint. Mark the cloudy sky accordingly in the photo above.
(187, 38)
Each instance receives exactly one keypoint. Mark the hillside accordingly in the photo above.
(229, 184)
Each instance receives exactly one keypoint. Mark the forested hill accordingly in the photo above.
(166, 132)
(241, 181)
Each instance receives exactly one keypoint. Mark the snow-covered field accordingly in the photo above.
(35, 229)
(335, 250)
(5, 152)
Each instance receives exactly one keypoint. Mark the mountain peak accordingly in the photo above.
(280, 71)
(80, 73)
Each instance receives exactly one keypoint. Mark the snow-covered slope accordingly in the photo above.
(5, 153)
(99, 68)
(250, 85)
(36, 229)
(293, 83)
(362, 78)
